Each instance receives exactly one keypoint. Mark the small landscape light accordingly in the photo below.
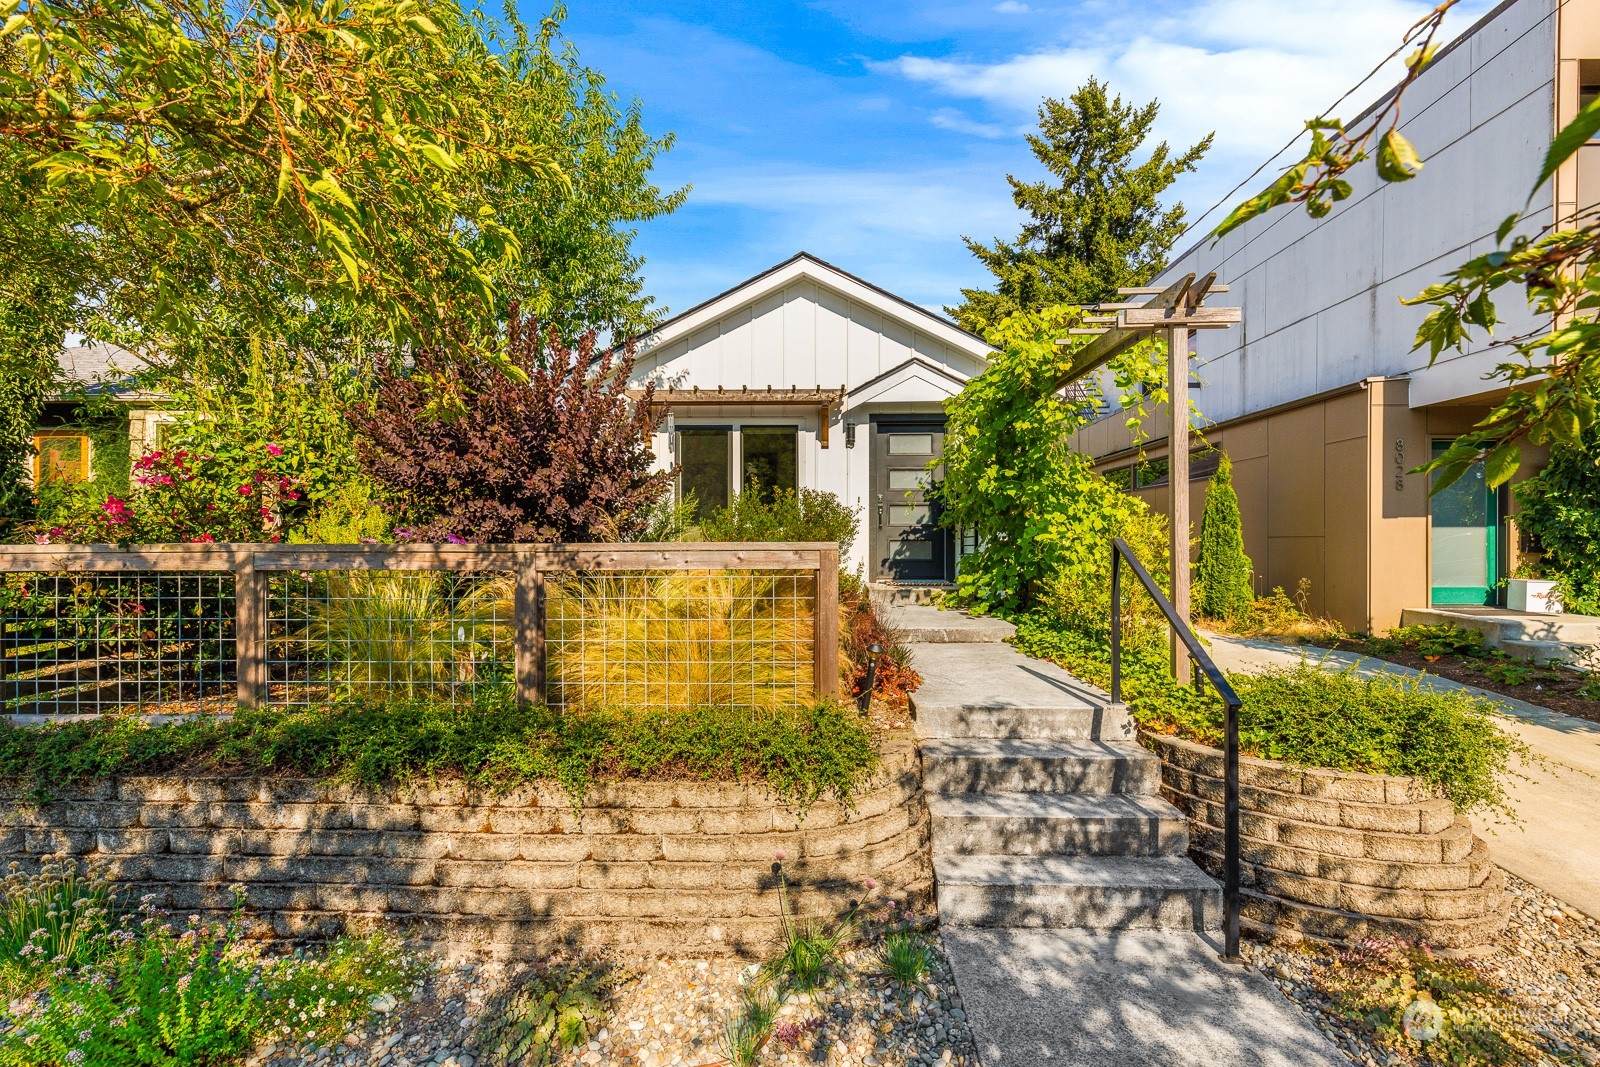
(864, 701)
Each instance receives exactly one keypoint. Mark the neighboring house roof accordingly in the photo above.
(99, 366)
(805, 265)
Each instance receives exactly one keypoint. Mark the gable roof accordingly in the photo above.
(805, 265)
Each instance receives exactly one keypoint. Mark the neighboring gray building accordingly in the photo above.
(1318, 397)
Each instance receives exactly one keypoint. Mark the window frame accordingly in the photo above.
(85, 452)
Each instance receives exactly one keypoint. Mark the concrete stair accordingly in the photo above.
(1045, 810)
(1567, 638)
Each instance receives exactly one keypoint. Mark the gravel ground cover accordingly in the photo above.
(1548, 960)
(669, 1013)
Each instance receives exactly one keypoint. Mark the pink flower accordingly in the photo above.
(274, 450)
(872, 883)
(244, 490)
(780, 855)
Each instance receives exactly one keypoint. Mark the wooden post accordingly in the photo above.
(1178, 487)
(528, 628)
(250, 632)
(825, 626)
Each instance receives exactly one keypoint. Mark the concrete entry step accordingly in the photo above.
(984, 765)
(1065, 723)
(992, 690)
(1085, 892)
(924, 624)
(1034, 824)
(1528, 635)
(900, 593)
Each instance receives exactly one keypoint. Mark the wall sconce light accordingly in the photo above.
(849, 435)
(672, 433)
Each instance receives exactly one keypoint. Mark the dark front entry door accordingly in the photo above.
(907, 543)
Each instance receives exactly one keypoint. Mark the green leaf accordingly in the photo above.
(1506, 227)
(1574, 136)
(1397, 159)
(1500, 464)
(437, 156)
(12, 23)
(285, 177)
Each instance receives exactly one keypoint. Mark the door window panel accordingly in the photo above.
(918, 550)
(703, 468)
(908, 480)
(771, 459)
(911, 444)
(1463, 540)
(908, 514)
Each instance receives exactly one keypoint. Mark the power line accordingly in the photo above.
(1228, 196)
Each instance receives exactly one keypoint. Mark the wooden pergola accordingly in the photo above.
(824, 400)
(1174, 310)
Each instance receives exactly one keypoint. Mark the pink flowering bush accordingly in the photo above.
(179, 495)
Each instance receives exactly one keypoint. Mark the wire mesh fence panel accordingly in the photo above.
(680, 639)
(372, 634)
(77, 643)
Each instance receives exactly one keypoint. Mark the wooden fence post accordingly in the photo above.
(825, 629)
(528, 628)
(250, 631)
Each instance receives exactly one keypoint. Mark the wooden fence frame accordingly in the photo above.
(251, 564)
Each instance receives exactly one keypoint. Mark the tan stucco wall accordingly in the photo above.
(1326, 495)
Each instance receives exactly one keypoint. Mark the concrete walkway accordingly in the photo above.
(1135, 997)
(1557, 844)
(1131, 998)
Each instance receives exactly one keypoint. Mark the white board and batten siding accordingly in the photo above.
(806, 324)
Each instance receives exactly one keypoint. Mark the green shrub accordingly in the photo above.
(1313, 717)
(1010, 473)
(1373, 984)
(1224, 578)
(1560, 507)
(1444, 639)
(907, 958)
(801, 753)
(783, 515)
(554, 1010)
(1079, 597)
(155, 996)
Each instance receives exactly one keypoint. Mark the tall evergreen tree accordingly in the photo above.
(1224, 576)
(1097, 225)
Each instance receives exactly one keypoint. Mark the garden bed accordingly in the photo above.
(650, 865)
(1558, 688)
(1340, 856)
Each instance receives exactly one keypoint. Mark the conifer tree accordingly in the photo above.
(1097, 225)
(1224, 575)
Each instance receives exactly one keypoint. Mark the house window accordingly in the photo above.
(60, 456)
(763, 458)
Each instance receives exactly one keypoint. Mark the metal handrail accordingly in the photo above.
(1230, 759)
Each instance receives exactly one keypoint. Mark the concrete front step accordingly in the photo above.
(1046, 824)
(920, 624)
(1064, 723)
(986, 765)
(1529, 635)
(1085, 892)
(899, 593)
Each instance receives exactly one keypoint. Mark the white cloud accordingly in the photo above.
(948, 118)
(1251, 70)
(1012, 7)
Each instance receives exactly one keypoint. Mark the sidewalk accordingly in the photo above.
(1557, 845)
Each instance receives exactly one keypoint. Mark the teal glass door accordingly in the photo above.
(1465, 547)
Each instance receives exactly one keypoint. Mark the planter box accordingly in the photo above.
(1340, 856)
(1533, 594)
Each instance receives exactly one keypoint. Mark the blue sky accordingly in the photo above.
(874, 133)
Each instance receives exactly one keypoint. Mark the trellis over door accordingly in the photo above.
(907, 543)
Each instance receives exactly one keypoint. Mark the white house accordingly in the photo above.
(805, 376)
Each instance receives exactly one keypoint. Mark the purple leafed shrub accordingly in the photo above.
(475, 455)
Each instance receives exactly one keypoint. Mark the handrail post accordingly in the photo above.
(1230, 835)
(1116, 623)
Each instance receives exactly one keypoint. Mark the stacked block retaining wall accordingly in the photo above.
(1340, 856)
(647, 867)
